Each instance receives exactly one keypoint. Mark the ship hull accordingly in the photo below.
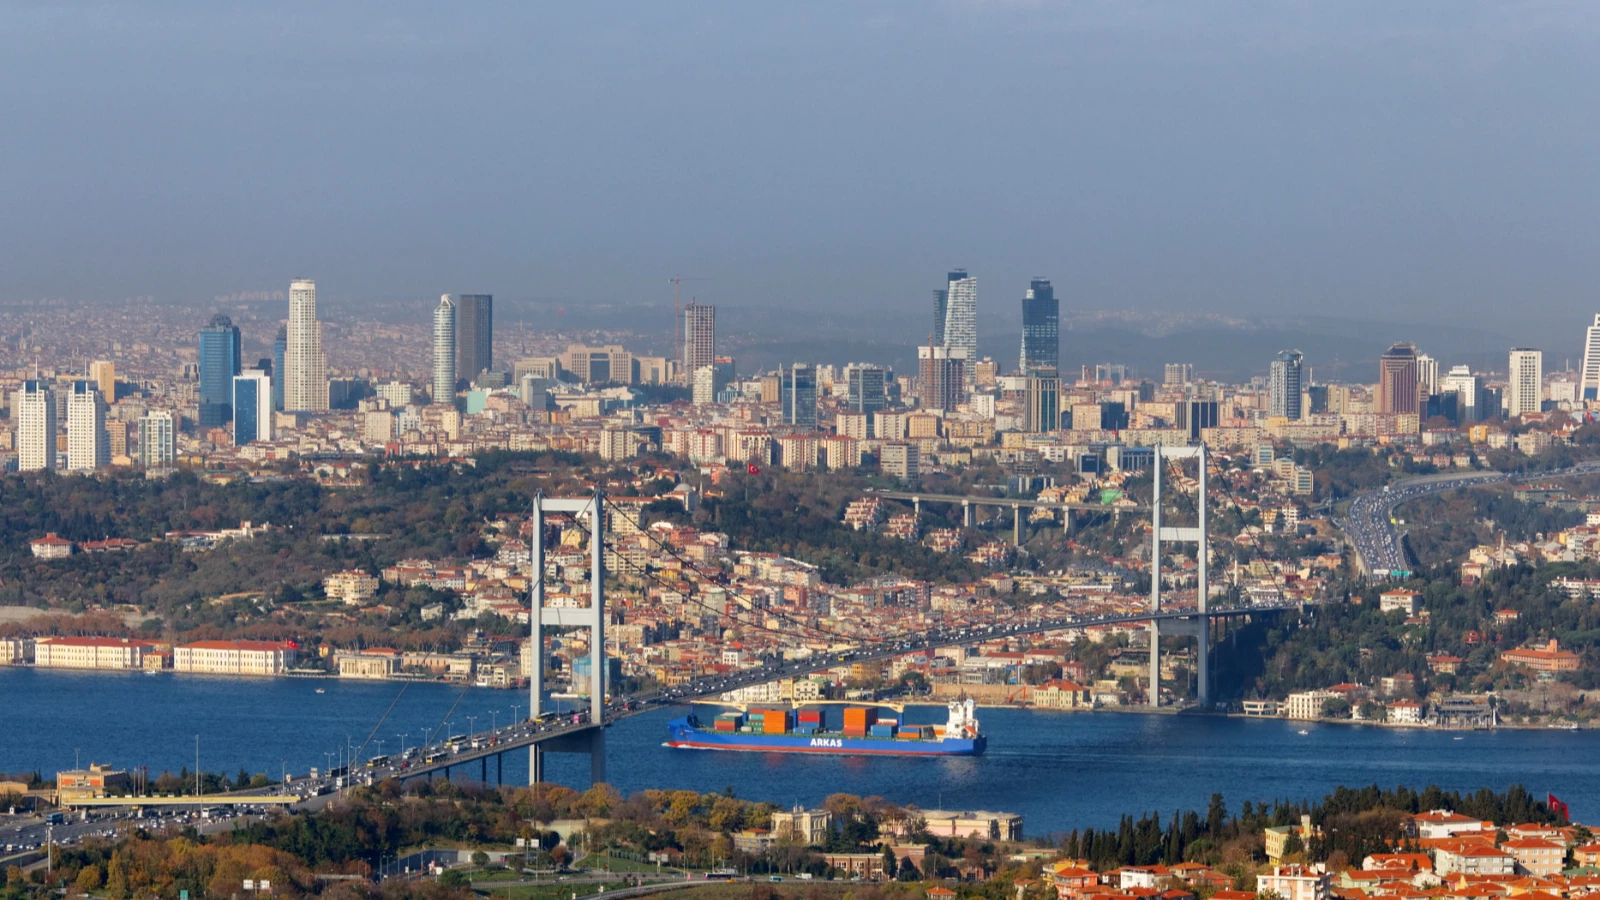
(684, 735)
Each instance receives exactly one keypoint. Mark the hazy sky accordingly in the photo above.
(1410, 160)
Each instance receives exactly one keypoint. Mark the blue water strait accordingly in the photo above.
(1059, 770)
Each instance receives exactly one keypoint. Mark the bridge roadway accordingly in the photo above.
(1368, 521)
(963, 500)
(554, 729)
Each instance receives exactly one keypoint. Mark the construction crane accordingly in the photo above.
(677, 312)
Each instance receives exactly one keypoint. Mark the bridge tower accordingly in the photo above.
(591, 740)
(1200, 625)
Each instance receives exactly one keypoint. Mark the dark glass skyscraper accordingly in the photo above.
(280, 348)
(474, 334)
(1041, 330)
(219, 362)
(798, 393)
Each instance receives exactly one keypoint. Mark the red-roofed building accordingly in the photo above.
(89, 653)
(51, 546)
(1550, 658)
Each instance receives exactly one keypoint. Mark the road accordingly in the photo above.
(1370, 529)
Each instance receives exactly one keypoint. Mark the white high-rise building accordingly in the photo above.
(1465, 385)
(1589, 382)
(88, 444)
(961, 318)
(699, 338)
(1285, 385)
(705, 386)
(1427, 375)
(305, 368)
(1526, 381)
(444, 351)
(252, 407)
(35, 409)
(158, 439)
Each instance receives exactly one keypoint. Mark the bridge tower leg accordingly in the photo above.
(1016, 524)
(1154, 698)
(916, 507)
(597, 756)
(1202, 558)
(535, 764)
(966, 514)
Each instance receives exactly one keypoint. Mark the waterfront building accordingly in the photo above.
(1307, 704)
(88, 445)
(444, 351)
(1285, 385)
(474, 335)
(368, 665)
(798, 395)
(89, 653)
(252, 407)
(1397, 381)
(1549, 658)
(95, 781)
(1041, 329)
(235, 657)
(157, 439)
(219, 362)
(699, 336)
(1526, 378)
(961, 319)
(35, 410)
(305, 367)
(811, 827)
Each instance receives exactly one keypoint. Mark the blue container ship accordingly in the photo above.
(807, 731)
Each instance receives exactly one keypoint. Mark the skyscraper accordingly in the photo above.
(942, 373)
(1041, 330)
(1044, 401)
(474, 334)
(1589, 383)
(1461, 382)
(88, 445)
(252, 407)
(444, 351)
(961, 319)
(699, 337)
(305, 368)
(941, 308)
(219, 362)
(1526, 380)
(35, 409)
(280, 349)
(104, 374)
(158, 441)
(1284, 385)
(1397, 381)
(1427, 375)
(798, 394)
(867, 389)
(1177, 374)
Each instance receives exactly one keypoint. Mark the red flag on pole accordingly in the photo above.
(1557, 806)
(752, 469)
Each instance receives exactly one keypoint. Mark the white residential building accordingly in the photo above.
(1526, 381)
(35, 409)
(88, 653)
(305, 384)
(444, 350)
(158, 441)
(234, 657)
(88, 445)
(1296, 883)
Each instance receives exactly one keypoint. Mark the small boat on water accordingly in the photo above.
(1302, 731)
(321, 691)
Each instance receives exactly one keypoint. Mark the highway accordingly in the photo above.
(1370, 529)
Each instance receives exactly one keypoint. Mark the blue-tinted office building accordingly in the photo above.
(219, 362)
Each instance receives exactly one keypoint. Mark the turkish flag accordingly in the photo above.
(1557, 806)
(752, 469)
